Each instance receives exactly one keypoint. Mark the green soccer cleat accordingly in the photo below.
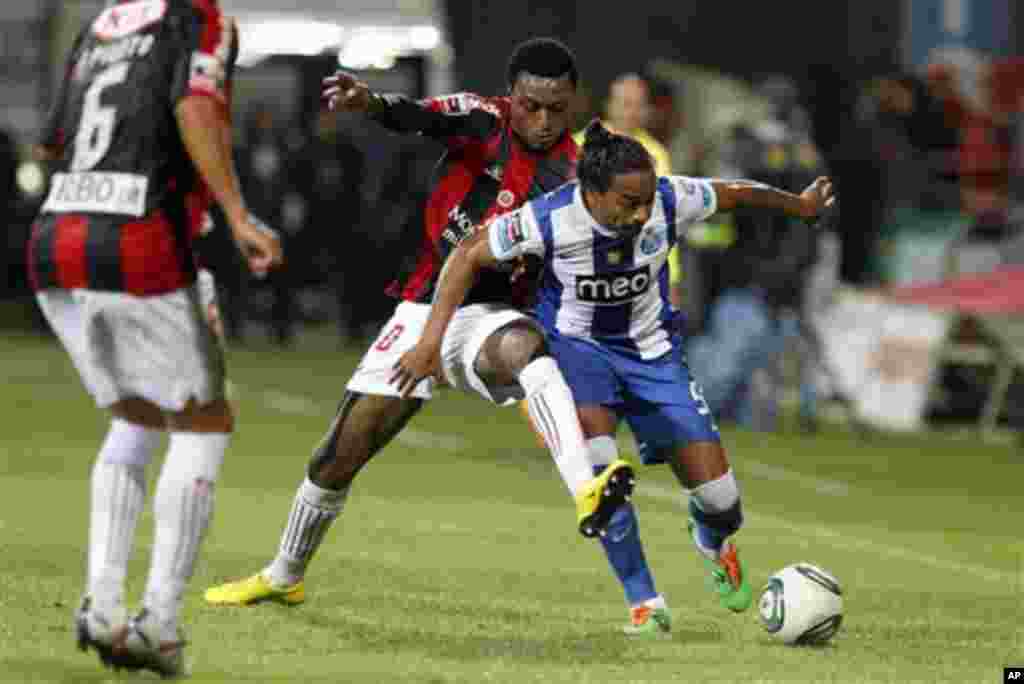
(727, 576)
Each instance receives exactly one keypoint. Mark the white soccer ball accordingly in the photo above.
(801, 604)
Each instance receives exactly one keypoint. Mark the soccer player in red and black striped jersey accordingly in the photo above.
(501, 151)
(141, 141)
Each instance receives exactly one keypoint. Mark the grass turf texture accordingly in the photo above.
(457, 558)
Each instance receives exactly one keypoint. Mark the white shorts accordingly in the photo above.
(157, 348)
(465, 337)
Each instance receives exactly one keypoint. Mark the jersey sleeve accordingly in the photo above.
(694, 198)
(515, 234)
(450, 119)
(204, 60)
(52, 133)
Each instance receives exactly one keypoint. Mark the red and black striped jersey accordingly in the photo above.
(485, 171)
(125, 200)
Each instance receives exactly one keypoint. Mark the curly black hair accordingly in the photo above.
(606, 155)
(544, 57)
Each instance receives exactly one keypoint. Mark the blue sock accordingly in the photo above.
(714, 528)
(625, 553)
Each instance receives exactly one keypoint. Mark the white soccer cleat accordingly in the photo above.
(146, 645)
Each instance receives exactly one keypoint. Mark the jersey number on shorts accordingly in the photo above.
(96, 128)
(389, 338)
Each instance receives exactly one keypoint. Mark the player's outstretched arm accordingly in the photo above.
(741, 193)
(442, 118)
(460, 273)
(205, 131)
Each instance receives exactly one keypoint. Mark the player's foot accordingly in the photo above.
(727, 576)
(102, 632)
(648, 621)
(599, 498)
(254, 590)
(154, 647)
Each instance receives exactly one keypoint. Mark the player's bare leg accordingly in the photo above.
(715, 515)
(364, 425)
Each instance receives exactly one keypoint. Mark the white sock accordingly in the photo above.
(182, 508)
(117, 497)
(313, 510)
(715, 496)
(554, 413)
(654, 603)
(604, 450)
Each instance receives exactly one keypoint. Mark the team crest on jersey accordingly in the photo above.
(506, 199)
(123, 20)
(652, 242)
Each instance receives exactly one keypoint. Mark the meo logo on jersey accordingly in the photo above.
(613, 289)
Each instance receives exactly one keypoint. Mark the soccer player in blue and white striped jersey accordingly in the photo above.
(604, 305)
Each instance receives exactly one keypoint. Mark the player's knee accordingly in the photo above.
(521, 343)
(216, 416)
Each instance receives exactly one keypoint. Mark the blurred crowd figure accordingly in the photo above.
(757, 282)
(342, 194)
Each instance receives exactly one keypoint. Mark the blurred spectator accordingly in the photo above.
(762, 279)
(262, 168)
(8, 171)
(16, 233)
(920, 137)
(628, 112)
(332, 170)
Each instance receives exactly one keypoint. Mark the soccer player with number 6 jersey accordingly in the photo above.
(140, 137)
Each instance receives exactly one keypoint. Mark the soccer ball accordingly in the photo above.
(801, 604)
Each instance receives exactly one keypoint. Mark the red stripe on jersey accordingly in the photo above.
(30, 254)
(446, 195)
(151, 257)
(213, 29)
(69, 251)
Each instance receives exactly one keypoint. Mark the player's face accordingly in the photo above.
(627, 204)
(541, 109)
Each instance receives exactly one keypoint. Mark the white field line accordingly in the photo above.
(300, 405)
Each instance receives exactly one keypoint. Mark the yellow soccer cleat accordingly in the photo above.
(254, 589)
(602, 496)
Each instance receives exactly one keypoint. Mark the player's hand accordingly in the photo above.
(343, 92)
(260, 245)
(422, 361)
(817, 197)
(216, 323)
(519, 268)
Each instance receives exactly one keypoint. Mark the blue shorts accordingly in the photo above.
(661, 403)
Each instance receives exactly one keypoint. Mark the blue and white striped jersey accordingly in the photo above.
(597, 285)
